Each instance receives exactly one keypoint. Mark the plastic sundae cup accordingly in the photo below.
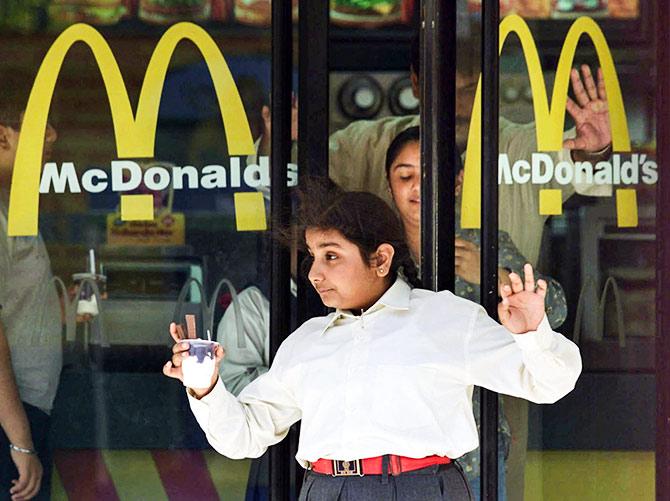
(199, 366)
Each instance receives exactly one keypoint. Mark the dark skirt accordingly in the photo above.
(434, 483)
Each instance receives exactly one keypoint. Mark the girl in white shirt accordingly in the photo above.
(383, 384)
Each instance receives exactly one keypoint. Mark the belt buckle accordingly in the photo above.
(347, 468)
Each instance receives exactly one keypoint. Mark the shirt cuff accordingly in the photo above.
(218, 396)
(564, 154)
(537, 340)
(586, 189)
(253, 158)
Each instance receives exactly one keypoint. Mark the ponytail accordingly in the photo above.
(405, 265)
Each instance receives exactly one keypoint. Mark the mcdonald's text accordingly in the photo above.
(542, 170)
(127, 175)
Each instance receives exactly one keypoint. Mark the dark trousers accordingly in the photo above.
(435, 483)
(258, 484)
(39, 427)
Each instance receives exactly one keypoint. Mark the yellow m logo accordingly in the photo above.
(549, 121)
(135, 134)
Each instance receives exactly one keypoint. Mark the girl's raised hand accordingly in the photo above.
(522, 306)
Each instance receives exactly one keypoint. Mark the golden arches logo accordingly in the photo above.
(549, 120)
(135, 134)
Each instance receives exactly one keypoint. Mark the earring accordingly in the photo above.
(381, 269)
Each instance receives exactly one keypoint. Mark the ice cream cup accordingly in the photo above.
(199, 366)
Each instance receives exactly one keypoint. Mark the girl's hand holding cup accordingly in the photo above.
(195, 362)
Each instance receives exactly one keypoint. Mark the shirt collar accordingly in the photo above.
(396, 297)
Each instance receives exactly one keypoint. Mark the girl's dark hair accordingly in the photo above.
(411, 135)
(415, 52)
(363, 218)
(10, 115)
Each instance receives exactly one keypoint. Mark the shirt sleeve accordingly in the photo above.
(253, 158)
(555, 303)
(541, 366)
(260, 417)
(344, 156)
(522, 143)
(4, 260)
(4, 277)
(587, 189)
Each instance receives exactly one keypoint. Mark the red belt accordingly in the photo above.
(373, 466)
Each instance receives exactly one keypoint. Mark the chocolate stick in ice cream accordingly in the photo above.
(190, 326)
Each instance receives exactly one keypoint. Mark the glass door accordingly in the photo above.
(135, 184)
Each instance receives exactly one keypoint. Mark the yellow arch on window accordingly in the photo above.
(549, 121)
(135, 134)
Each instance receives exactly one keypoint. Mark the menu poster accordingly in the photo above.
(564, 9)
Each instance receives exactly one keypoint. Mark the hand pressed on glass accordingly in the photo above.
(590, 112)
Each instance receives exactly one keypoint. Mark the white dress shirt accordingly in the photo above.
(395, 380)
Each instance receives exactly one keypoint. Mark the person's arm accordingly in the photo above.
(523, 357)
(347, 148)
(245, 426)
(467, 263)
(15, 425)
(13, 418)
(265, 140)
(590, 140)
(357, 153)
(260, 417)
(244, 361)
(347, 156)
(510, 259)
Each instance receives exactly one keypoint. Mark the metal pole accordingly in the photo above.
(313, 81)
(280, 213)
(313, 117)
(489, 233)
(438, 142)
(663, 257)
